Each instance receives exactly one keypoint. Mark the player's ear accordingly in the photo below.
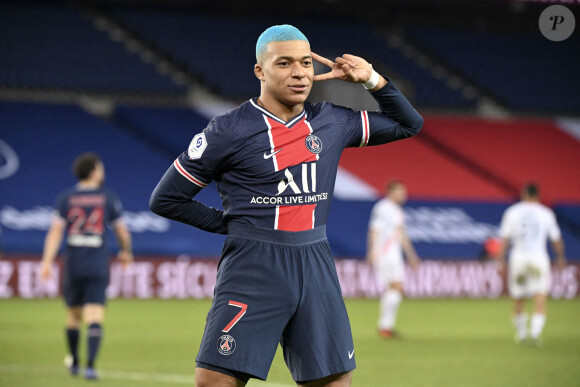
(259, 71)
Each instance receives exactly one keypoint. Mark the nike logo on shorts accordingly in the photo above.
(350, 354)
(267, 156)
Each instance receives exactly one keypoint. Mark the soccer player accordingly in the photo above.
(387, 241)
(83, 214)
(527, 226)
(274, 160)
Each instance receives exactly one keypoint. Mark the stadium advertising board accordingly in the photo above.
(185, 278)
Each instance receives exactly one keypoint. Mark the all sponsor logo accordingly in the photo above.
(226, 345)
(314, 144)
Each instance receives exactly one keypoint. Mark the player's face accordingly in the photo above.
(398, 194)
(286, 72)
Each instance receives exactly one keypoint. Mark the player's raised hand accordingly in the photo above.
(348, 68)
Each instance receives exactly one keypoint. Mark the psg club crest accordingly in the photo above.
(314, 144)
(226, 345)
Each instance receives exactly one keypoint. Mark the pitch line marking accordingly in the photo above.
(120, 375)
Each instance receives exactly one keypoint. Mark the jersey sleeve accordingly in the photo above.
(505, 228)
(114, 207)
(396, 120)
(354, 126)
(377, 217)
(554, 232)
(61, 206)
(207, 155)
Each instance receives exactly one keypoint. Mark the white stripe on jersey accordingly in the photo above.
(187, 175)
(365, 128)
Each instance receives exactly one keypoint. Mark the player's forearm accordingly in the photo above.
(409, 250)
(124, 238)
(503, 248)
(371, 241)
(394, 107)
(172, 199)
(192, 213)
(52, 244)
(558, 247)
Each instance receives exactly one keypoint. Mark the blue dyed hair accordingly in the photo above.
(280, 33)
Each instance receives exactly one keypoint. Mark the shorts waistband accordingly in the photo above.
(277, 236)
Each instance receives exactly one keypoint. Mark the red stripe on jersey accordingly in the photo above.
(290, 143)
(295, 218)
(187, 175)
(365, 128)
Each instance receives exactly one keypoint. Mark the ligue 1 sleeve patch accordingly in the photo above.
(197, 146)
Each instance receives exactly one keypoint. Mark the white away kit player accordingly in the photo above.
(527, 226)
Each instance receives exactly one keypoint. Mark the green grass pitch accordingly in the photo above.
(444, 343)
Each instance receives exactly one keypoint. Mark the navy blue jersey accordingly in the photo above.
(275, 174)
(280, 175)
(87, 214)
(276, 181)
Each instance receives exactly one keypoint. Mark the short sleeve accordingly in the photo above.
(114, 207)
(377, 217)
(207, 154)
(505, 226)
(554, 232)
(61, 206)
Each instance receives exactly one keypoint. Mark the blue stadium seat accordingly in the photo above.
(54, 46)
(526, 72)
(169, 129)
(219, 49)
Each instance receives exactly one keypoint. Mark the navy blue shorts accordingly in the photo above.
(277, 287)
(84, 290)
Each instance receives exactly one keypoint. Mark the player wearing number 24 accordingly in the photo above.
(274, 160)
(83, 214)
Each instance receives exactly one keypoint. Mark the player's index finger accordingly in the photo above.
(323, 77)
(322, 60)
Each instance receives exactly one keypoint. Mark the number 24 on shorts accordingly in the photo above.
(238, 316)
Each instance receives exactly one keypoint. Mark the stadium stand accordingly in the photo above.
(168, 129)
(54, 46)
(516, 150)
(464, 170)
(47, 138)
(183, 34)
(525, 71)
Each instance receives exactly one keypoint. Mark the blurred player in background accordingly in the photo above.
(275, 160)
(388, 243)
(527, 226)
(83, 213)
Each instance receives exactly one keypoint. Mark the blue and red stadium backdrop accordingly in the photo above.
(461, 174)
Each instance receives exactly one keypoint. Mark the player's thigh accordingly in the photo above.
(72, 291)
(338, 380)
(397, 285)
(74, 316)
(94, 290)
(540, 278)
(518, 280)
(317, 341)
(93, 313)
(254, 298)
(391, 271)
(209, 378)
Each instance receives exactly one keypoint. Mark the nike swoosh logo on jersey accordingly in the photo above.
(267, 156)
(350, 354)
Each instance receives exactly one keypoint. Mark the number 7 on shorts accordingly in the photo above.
(238, 316)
